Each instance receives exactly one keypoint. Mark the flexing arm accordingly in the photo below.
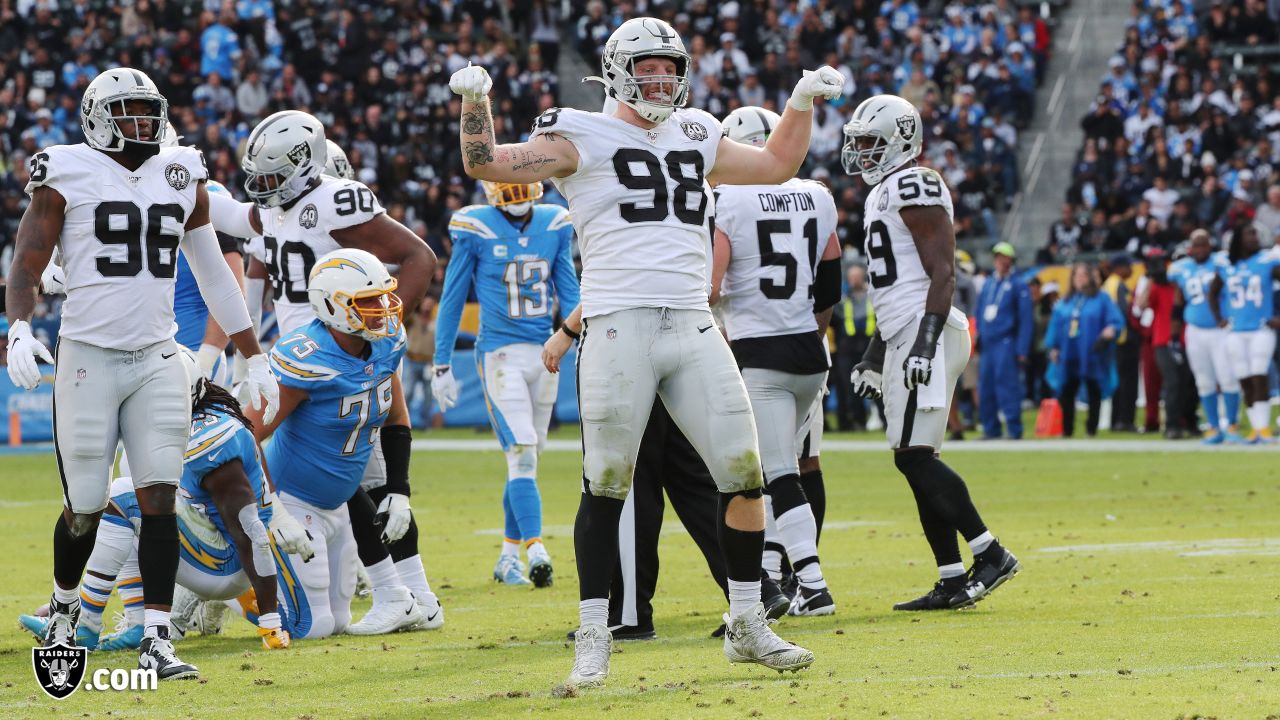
(37, 238)
(394, 244)
(721, 256)
(542, 157)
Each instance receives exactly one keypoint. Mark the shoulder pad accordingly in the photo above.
(470, 220)
(293, 360)
(561, 121)
(50, 167)
(341, 204)
(212, 437)
(918, 186)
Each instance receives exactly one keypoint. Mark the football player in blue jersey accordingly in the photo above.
(339, 389)
(196, 329)
(1245, 284)
(517, 254)
(1206, 342)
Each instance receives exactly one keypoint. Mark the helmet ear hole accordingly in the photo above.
(329, 306)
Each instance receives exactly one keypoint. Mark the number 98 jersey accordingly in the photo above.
(119, 242)
(899, 283)
(640, 206)
(293, 237)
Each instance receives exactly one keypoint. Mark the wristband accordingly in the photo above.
(573, 335)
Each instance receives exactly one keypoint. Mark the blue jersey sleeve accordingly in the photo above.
(458, 279)
(565, 276)
(218, 444)
(296, 363)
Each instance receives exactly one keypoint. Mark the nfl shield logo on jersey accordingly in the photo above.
(309, 217)
(697, 132)
(906, 127)
(59, 669)
(177, 176)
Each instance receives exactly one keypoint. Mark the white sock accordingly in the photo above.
(383, 573)
(982, 542)
(799, 532)
(66, 597)
(537, 550)
(510, 549)
(414, 576)
(269, 621)
(743, 596)
(593, 611)
(1259, 413)
(771, 561)
(953, 570)
(155, 619)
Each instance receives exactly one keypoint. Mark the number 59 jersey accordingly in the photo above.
(293, 237)
(119, 242)
(899, 283)
(639, 205)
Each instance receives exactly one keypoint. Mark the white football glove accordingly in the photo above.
(471, 82)
(24, 348)
(444, 386)
(394, 515)
(261, 385)
(206, 358)
(867, 381)
(825, 81)
(53, 280)
(916, 371)
(288, 533)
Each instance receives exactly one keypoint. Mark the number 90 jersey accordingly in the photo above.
(318, 454)
(119, 241)
(899, 283)
(293, 237)
(639, 206)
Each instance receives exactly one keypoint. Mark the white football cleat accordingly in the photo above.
(432, 612)
(592, 645)
(749, 639)
(209, 617)
(182, 616)
(393, 609)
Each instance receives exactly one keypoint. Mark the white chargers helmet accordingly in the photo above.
(285, 152)
(352, 292)
(195, 378)
(884, 134)
(336, 164)
(105, 104)
(635, 40)
(750, 125)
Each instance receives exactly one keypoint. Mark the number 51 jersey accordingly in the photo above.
(639, 205)
(899, 283)
(119, 242)
(293, 237)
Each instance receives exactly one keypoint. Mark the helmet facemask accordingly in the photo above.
(115, 110)
(859, 157)
(273, 188)
(675, 87)
(513, 198)
(372, 321)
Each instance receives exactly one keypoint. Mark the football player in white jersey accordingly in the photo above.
(635, 185)
(921, 343)
(303, 213)
(118, 207)
(776, 276)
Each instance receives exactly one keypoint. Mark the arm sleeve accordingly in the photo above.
(826, 286)
(457, 284)
(217, 285)
(1026, 321)
(230, 216)
(254, 289)
(565, 277)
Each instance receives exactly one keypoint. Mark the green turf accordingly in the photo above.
(1146, 631)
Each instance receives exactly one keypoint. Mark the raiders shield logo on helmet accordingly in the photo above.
(309, 217)
(300, 153)
(59, 669)
(696, 132)
(907, 127)
(177, 176)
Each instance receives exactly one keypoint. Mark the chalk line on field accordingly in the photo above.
(1184, 548)
(677, 529)
(1082, 445)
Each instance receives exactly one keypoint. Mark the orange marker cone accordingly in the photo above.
(1049, 419)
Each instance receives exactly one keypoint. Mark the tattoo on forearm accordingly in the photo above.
(525, 160)
(476, 122)
(478, 152)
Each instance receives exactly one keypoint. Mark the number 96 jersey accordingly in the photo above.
(899, 283)
(119, 242)
(293, 237)
(640, 206)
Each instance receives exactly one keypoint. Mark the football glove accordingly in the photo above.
(393, 515)
(288, 533)
(261, 386)
(444, 386)
(24, 348)
(471, 82)
(53, 281)
(825, 81)
(867, 380)
(917, 369)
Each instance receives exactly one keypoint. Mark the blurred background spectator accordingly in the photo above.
(1080, 338)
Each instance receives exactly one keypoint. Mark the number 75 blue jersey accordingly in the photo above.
(515, 270)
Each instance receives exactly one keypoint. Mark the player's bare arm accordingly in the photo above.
(394, 244)
(542, 157)
(935, 240)
(721, 256)
(560, 341)
(1215, 306)
(229, 487)
(38, 234)
(290, 399)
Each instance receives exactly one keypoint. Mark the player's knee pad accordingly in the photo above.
(522, 461)
(82, 524)
(786, 494)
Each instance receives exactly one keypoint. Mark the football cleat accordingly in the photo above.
(592, 645)
(939, 598)
(1213, 437)
(624, 633)
(510, 571)
(1231, 437)
(37, 625)
(182, 616)
(156, 653)
(126, 637)
(984, 577)
(540, 571)
(394, 608)
(432, 612)
(61, 628)
(363, 584)
(274, 638)
(749, 639)
(210, 616)
(812, 603)
(775, 601)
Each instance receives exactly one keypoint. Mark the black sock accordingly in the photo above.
(938, 532)
(742, 549)
(158, 558)
(816, 491)
(368, 534)
(71, 554)
(407, 546)
(595, 541)
(944, 490)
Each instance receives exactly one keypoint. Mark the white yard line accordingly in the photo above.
(1059, 445)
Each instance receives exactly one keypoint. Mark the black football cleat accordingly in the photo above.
(812, 603)
(939, 598)
(775, 602)
(156, 653)
(985, 576)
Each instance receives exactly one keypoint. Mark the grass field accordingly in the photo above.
(1148, 590)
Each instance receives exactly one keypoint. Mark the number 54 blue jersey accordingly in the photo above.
(514, 271)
